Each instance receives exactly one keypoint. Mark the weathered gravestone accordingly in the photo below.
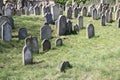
(103, 20)
(55, 12)
(107, 15)
(61, 25)
(27, 57)
(8, 10)
(75, 12)
(31, 10)
(48, 18)
(84, 11)
(58, 42)
(76, 28)
(94, 14)
(46, 9)
(46, 45)
(117, 14)
(90, 9)
(36, 10)
(6, 32)
(1, 12)
(45, 32)
(69, 12)
(22, 33)
(80, 22)
(110, 17)
(69, 27)
(90, 31)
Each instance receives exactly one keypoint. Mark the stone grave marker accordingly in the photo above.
(90, 31)
(75, 12)
(35, 47)
(80, 22)
(58, 42)
(69, 12)
(46, 45)
(76, 28)
(84, 11)
(36, 10)
(69, 27)
(118, 22)
(117, 14)
(48, 18)
(22, 33)
(8, 10)
(110, 17)
(103, 20)
(94, 14)
(107, 15)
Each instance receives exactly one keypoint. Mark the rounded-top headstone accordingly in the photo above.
(46, 45)
(90, 31)
(22, 33)
(58, 42)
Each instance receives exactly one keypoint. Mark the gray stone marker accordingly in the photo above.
(117, 14)
(45, 32)
(36, 10)
(55, 12)
(103, 20)
(58, 42)
(80, 22)
(6, 32)
(69, 12)
(94, 14)
(31, 11)
(22, 33)
(46, 45)
(69, 27)
(8, 10)
(107, 15)
(90, 9)
(118, 22)
(76, 28)
(75, 12)
(84, 11)
(61, 25)
(90, 31)
(110, 17)
(48, 18)
(27, 57)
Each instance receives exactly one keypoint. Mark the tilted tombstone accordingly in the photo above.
(6, 32)
(48, 18)
(46, 45)
(45, 32)
(90, 31)
(61, 26)
(36, 10)
(22, 33)
(58, 42)
(118, 22)
(75, 12)
(55, 12)
(117, 14)
(107, 15)
(69, 27)
(80, 22)
(27, 57)
(103, 20)
(94, 14)
(84, 11)
(69, 12)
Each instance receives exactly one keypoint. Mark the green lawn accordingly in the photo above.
(97, 58)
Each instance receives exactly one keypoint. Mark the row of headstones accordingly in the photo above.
(31, 46)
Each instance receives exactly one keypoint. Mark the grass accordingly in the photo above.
(97, 58)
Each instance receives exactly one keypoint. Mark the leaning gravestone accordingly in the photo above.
(58, 42)
(48, 18)
(61, 25)
(55, 12)
(69, 12)
(80, 22)
(27, 57)
(22, 33)
(103, 20)
(6, 32)
(45, 32)
(94, 14)
(75, 12)
(84, 11)
(46, 45)
(69, 27)
(90, 31)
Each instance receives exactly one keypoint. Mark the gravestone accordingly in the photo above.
(76, 28)
(110, 17)
(90, 31)
(94, 14)
(69, 12)
(80, 22)
(48, 18)
(58, 42)
(27, 57)
(35, 47)
(22, 33)
(45, 32)
(8, 10)
(26, 10)
(36, 10)
(75, 12)
(117, 14)
(55, 12)
(84, 11)
(103, 20)
(118, 22)
(31, 10)
(90, 9)
(6, 32)
(69, 27)
(61, 26)
(1, 12)
(107, 15)
(46, 45)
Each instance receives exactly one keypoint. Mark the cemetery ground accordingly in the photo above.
(97, 58)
